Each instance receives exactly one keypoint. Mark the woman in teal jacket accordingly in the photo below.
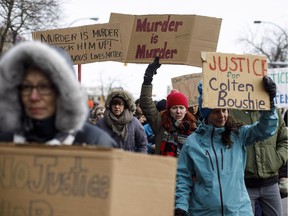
(210, 173)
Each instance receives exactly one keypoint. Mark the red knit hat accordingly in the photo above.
(176, 98)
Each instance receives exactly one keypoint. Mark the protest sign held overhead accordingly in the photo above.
(234, 81)
(187, 84)
(176, 39)
(280, 77)
(86, 44)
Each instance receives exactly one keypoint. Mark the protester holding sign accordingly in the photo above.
(171, 126)
(41, 100)
(210, 173)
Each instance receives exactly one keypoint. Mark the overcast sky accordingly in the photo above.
(237, 18)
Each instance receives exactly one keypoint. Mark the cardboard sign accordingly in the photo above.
(176, 39)
(86, 44)
(187, 84)
(280, 77)
(74, 180)
(234, 81)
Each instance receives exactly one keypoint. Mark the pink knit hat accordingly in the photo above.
(176, 98)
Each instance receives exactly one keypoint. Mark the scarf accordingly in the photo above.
(43, 131)
(173, 141)
(119, 125)
(39, 130)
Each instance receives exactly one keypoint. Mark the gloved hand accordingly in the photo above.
(179, 212)
(150, 71)
(271, 89)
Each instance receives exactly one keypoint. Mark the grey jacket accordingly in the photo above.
(136, 139)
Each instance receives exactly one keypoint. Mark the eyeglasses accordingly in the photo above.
(42, 89)
(118, 104)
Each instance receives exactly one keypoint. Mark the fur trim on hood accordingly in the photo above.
(71, 111)
(126, 96)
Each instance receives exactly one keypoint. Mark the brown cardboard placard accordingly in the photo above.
(187, 84)
(234, 81)
(86, 44)
(280, 77)
(74, 180)
(177, 39)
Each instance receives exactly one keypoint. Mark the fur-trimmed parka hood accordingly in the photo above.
(71, 111)
(126, 96)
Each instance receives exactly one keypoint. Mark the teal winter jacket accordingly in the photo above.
(210, 176)
(264, 158)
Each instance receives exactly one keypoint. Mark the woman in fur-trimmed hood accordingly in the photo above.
(120, 123)
(41, 100)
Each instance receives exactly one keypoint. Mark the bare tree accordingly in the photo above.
(103, 87)
(107, 86)
(270, 40)
(21, 17)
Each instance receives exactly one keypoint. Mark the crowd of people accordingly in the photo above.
(230, 162)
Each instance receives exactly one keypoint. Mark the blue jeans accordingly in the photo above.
(269, 199)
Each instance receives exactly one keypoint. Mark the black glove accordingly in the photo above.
(179, 212)
(271, 89)
(150, 71)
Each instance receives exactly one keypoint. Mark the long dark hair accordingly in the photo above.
(230, 126)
